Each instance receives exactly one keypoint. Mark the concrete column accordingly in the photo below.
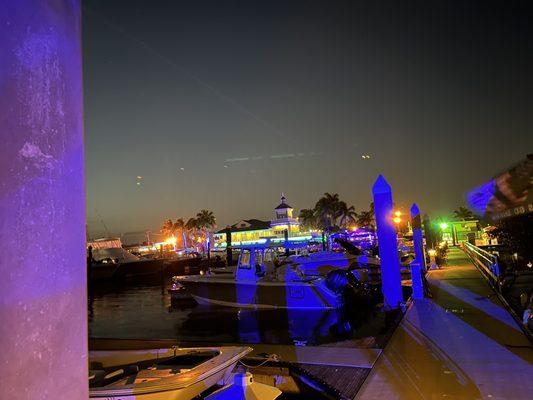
(387, 243)
(43, 309)
(419, 265)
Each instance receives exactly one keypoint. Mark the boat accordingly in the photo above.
(184, 264)
(178, 292)
(109, 260)
(160, 374)
(260, 281)
(322, 262)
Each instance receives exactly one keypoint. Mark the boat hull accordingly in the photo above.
(260, 295)
(183, 385)
(177, 394)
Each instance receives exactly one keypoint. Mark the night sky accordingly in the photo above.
(225, 104)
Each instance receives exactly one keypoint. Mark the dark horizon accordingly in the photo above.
(225, 106)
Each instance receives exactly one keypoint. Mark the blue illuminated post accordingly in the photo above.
(43, 307)
(387, 243)
(418, 267)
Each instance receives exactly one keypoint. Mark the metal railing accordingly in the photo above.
(486, 262)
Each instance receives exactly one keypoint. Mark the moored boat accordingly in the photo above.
(261, 281)
(160, 374)
(108, 260)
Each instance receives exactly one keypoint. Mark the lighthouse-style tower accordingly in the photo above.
(284, 221)
(283, 211)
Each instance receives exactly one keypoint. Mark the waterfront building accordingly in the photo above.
(283, 226)
(457, 232)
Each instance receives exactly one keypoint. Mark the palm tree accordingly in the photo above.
(463, 214)
(205, 222)
(346, 215)
(205, 219)
(367, 219)
(179, 226)
(326, 210)
(168, 228)
(191, 226)
(307, 219)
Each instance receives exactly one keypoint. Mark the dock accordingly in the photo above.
(461, 344)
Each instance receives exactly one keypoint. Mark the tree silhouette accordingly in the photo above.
(463, 214)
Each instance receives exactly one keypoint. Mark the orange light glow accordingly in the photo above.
(397, 220)
(171, 241)
(398, 213)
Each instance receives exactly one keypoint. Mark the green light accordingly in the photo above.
(443, 225)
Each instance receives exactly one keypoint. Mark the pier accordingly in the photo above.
(463, 344)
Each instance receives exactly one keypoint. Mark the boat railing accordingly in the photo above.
(486, 262)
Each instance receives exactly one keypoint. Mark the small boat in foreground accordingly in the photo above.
(160, 374)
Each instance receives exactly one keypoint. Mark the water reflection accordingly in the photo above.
(146, 312)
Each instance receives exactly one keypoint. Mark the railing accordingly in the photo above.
(486, 262)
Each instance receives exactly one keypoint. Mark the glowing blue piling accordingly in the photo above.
(418, 267)
(388, 244)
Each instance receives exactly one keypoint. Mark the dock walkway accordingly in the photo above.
(461, 344)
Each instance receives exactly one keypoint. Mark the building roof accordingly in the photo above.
(283, 204)
(251, 225)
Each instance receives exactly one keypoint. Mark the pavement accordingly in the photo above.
(461, 344)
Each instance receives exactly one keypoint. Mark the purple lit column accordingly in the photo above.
(418, 267)
(387, 243)
(43, 311)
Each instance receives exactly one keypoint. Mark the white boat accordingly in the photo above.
(109, 260)
(260, 282)
(322, 262)
(160, 374)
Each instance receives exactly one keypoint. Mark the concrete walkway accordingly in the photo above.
(462, 344)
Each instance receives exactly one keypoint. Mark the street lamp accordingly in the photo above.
(397, 217)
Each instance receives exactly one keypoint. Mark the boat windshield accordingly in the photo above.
(269, 255)
(244, 260)
(258, 257)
